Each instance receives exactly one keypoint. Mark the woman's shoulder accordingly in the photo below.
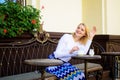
(66, 35)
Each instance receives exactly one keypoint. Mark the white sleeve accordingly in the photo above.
(61, 50)
(87, 46)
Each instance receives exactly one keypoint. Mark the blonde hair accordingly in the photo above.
(84, 39)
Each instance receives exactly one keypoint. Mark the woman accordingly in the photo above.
(69, 45)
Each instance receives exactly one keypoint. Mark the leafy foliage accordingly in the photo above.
(16, 19)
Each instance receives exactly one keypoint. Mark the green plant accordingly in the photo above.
(16, 19)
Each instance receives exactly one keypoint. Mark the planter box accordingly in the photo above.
(24, 36)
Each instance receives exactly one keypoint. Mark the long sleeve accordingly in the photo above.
(62, 50)
(87, 46)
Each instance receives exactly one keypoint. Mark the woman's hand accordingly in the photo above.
(75, 48)
(92, 33)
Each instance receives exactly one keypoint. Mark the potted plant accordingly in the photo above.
(16, 19)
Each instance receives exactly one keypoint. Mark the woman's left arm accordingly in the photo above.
(91, 36)
(92, 33)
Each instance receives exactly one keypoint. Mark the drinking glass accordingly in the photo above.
(91, 52)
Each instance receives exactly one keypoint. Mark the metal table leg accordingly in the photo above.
(86, 69)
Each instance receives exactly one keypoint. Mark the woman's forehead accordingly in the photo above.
(81, 26)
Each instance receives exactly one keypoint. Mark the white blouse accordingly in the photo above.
(65, 44)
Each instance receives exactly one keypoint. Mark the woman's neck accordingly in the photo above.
(76, 39)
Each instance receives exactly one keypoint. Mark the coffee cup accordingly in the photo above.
(80, 53)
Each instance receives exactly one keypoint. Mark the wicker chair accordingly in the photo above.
(94, 69)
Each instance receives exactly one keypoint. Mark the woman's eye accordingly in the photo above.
(82, 30)
(78, 27)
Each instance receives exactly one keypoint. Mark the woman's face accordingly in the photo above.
(80, 31)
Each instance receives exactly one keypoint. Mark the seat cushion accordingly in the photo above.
(36, 75)
(27, 76)
(90, 66)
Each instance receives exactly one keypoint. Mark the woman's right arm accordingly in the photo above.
(62, 50)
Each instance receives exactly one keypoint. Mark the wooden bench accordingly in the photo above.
(13, 54)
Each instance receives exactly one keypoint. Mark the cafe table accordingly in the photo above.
(43, 63)
(86, 58)
(114, 58)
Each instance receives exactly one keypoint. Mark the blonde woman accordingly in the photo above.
(69, 45)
